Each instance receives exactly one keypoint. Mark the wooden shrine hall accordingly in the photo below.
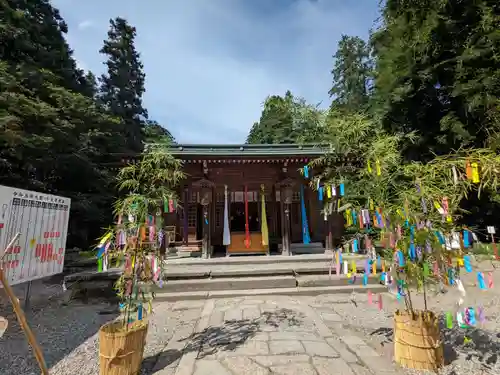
(246, 199)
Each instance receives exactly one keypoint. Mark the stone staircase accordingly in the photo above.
(259, 275)
(194, 278)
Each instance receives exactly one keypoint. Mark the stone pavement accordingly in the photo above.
(265, 336)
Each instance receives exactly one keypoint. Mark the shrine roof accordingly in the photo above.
(247, 150)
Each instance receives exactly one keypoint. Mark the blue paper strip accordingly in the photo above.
(451, 276)
(413, 254)
(480, 280)
(401, 258)
(440, 237)
(472, 316)
(365, 279)
(320, 193)
(355, 246)
(466, 238)
(382, 277)
(467, 263)
(341, 188)
(306, 171)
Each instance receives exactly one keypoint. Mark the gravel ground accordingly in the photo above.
(68, 334)
(475, 358)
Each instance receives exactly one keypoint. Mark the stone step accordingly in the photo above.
(259, 259)
(254, 270)
(197, 295)
(333, 280)
(302, 248)
(260, 282)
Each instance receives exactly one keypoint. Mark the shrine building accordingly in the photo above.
(247, 199)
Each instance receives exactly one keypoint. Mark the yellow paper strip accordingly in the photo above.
(475, 173)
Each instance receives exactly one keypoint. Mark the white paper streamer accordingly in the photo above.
(226, 239)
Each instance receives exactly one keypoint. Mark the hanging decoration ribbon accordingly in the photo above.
(247, 224)
(475, 173)
(379, 170)
(151, 228)
(226, 240)
(468, 170)
(306, 171)
(263, 221)
(305, 227)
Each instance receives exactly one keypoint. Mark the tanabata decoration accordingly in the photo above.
(420, 244)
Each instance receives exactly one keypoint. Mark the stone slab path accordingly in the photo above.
(264, 336)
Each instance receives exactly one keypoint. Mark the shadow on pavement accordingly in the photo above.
(227, 337)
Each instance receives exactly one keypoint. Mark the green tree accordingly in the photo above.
(122, 86)
(285, 120)
(155, 133)
(351, 75)
(438, 73)
(32, 34)
(53, 137)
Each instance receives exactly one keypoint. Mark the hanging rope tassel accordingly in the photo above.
(305, 228)
(247, 224)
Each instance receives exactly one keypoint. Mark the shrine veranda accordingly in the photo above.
(229, 187)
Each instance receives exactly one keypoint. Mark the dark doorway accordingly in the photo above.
(238, 220)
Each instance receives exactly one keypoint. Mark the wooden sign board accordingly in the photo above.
(42, 221)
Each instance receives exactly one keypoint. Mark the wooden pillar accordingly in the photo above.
(185, 229)
(274, 213)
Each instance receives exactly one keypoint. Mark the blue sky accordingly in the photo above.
(211, 63)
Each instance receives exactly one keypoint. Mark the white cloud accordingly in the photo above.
(85, 25)
(210, 64)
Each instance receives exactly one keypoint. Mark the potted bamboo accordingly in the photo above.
(134, 242)
(426, 245)
(412, 212)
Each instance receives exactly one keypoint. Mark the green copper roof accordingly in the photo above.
(247, 150)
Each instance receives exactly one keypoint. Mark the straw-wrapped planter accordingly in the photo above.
(121, 347)
(417, 341)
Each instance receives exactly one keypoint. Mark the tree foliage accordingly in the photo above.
(437, 72)
(58, 128)
(351, 75)
(123, 85)
(285, 120)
